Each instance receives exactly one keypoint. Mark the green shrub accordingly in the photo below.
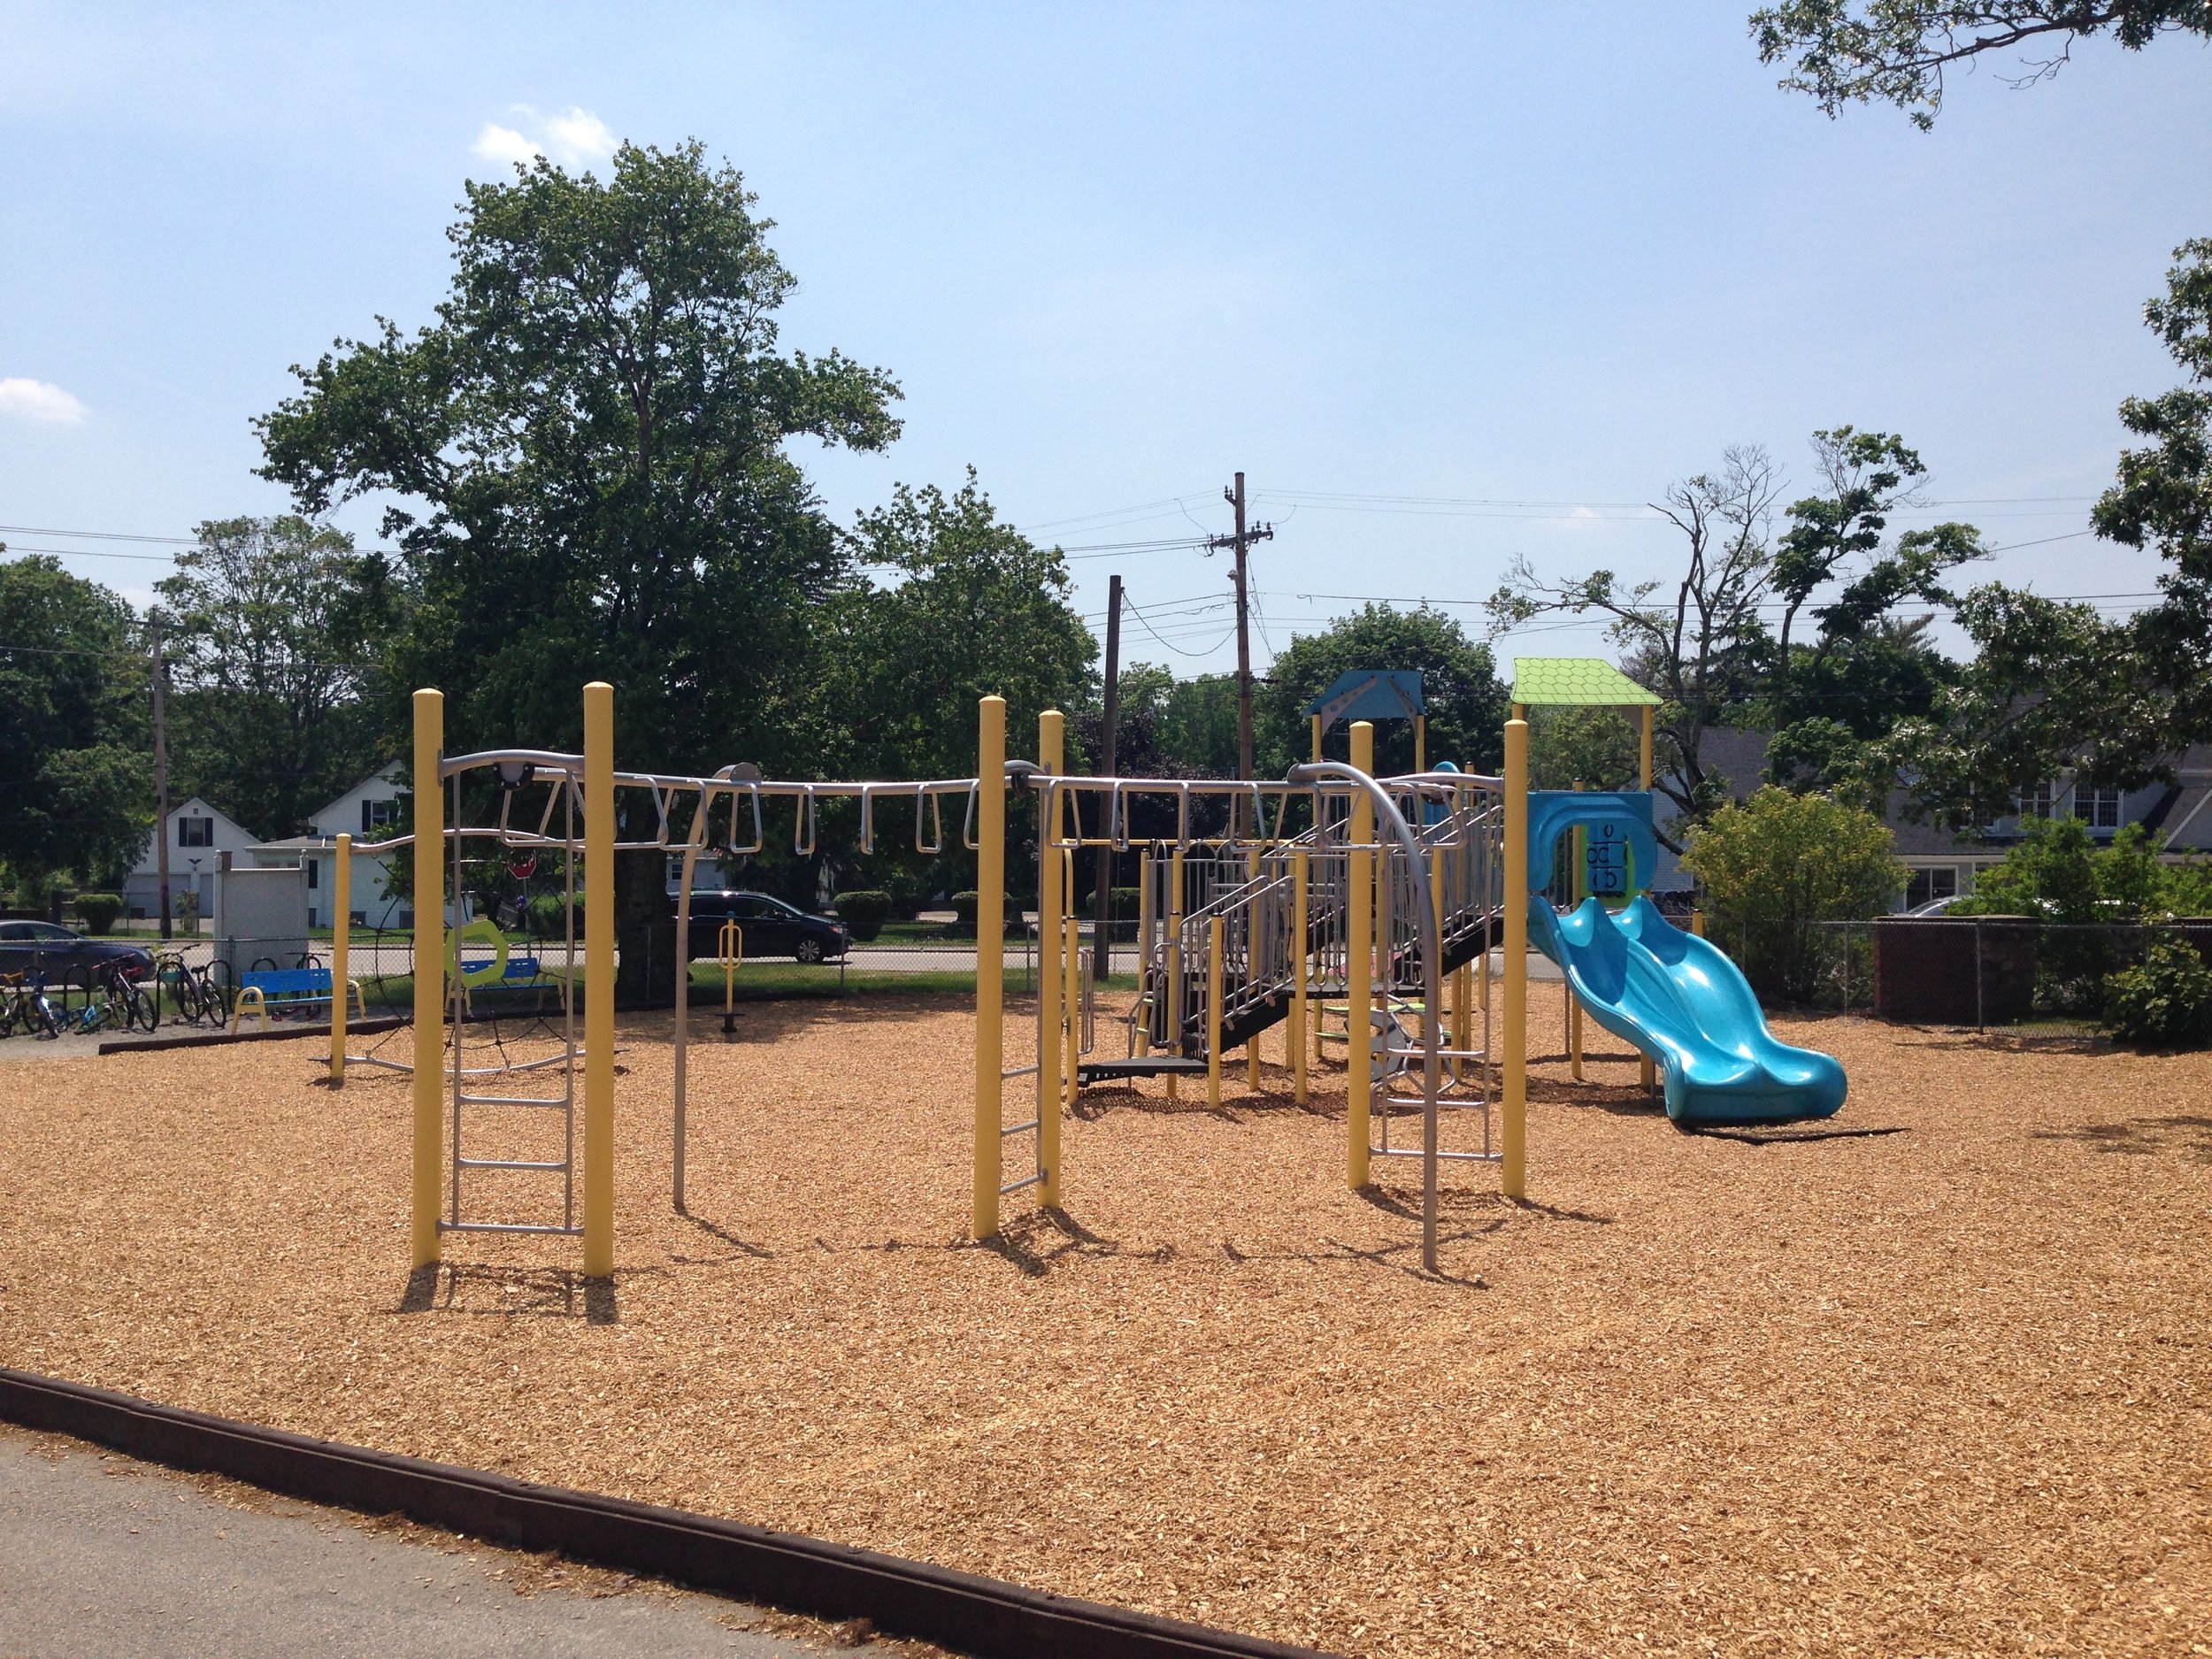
(2165, 1003)
(964, 911)
(1127, 903)
(864, 912)
(542, 919)
(1780, 863)
(98, 911)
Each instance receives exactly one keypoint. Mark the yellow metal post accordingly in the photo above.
(1436, 903)
(1071, 985)
(1295, 1039)
(1514, 1103)
(1051, 743)
(1214, 946)
(990, 955)
(1359, 964)
(340, 954)
(1644, 777)
(429, 972)
(1317, 737)
(1420, 742)
(730, 946)
(1251, 943)
(599, 980)
(1176, 1012)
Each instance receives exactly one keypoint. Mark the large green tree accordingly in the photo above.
(588, 454)
(1722, 643)
(275, 628)
(2163, 499)
(1898, 51)
(2054, 687)
(952, 604)
(1466, 701)
(76, 777)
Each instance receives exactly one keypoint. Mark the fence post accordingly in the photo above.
(1979, 1022)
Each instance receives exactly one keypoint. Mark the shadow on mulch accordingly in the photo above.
(1783, 1134)
(741, 1247)
(1405, 1202)
(2008, 1040)
(2189, 1134)
(508, 1292)
(1098, 1101)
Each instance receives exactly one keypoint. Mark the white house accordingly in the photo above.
(367, 811)
(198, 835)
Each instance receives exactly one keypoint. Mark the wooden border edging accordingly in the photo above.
(984, 1617)
(218, 1039)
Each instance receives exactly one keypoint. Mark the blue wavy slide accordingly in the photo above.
(1685, 1004)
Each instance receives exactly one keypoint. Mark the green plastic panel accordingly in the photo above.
(1581, 682)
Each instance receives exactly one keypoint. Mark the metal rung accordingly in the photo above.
(1416, 1152)
(1456, 1105)
(505, 1164)
(1015, 1186)
(1017, 1129)
(523, 1065)
(1019, 1070)
(508, 1227)
(511, 1100)
(1441, 1054)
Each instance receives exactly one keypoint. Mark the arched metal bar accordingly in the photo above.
(1386, 814)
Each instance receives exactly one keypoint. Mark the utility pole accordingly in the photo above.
(1240, 541)
(1100, 910)
(161, 770)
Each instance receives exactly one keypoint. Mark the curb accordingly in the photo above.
(987, 1618)
(220, 1038)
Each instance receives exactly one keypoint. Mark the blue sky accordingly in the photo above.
(1448, 283)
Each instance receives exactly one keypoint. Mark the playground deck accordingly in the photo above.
(1942, 1390)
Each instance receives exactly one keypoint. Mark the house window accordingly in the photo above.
(1936, 881)
(2038, 801)
(196, 832)
(314, 873)
(2100, 809)
(376, 814)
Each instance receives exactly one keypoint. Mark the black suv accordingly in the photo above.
(63, 957)
(769, 926)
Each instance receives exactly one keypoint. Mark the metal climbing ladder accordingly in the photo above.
(463, 1101)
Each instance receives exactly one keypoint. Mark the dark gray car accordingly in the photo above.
(770, 927)
(63, 957)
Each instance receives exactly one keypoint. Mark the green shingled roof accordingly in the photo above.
(1574, 682)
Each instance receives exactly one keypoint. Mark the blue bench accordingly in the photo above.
(264, 989)
(482, 973)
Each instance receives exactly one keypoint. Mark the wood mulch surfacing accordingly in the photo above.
(1940, 1390)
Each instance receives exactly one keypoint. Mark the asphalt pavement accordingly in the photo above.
(103, 1558)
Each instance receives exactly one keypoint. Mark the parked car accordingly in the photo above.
(1934, 907)
(770, 927)
(64, 956)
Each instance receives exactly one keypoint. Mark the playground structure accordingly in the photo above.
(1330, 884)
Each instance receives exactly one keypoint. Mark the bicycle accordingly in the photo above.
(198, 993)
(120, 1003)
(24, 1004)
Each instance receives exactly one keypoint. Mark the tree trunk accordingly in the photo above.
(645, 932)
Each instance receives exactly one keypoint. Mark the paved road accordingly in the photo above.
(107, 1558)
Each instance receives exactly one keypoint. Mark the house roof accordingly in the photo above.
(1580, 682)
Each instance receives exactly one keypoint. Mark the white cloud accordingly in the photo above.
(39, 400)
(579, 136)
(574, 137)
(504, 144)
